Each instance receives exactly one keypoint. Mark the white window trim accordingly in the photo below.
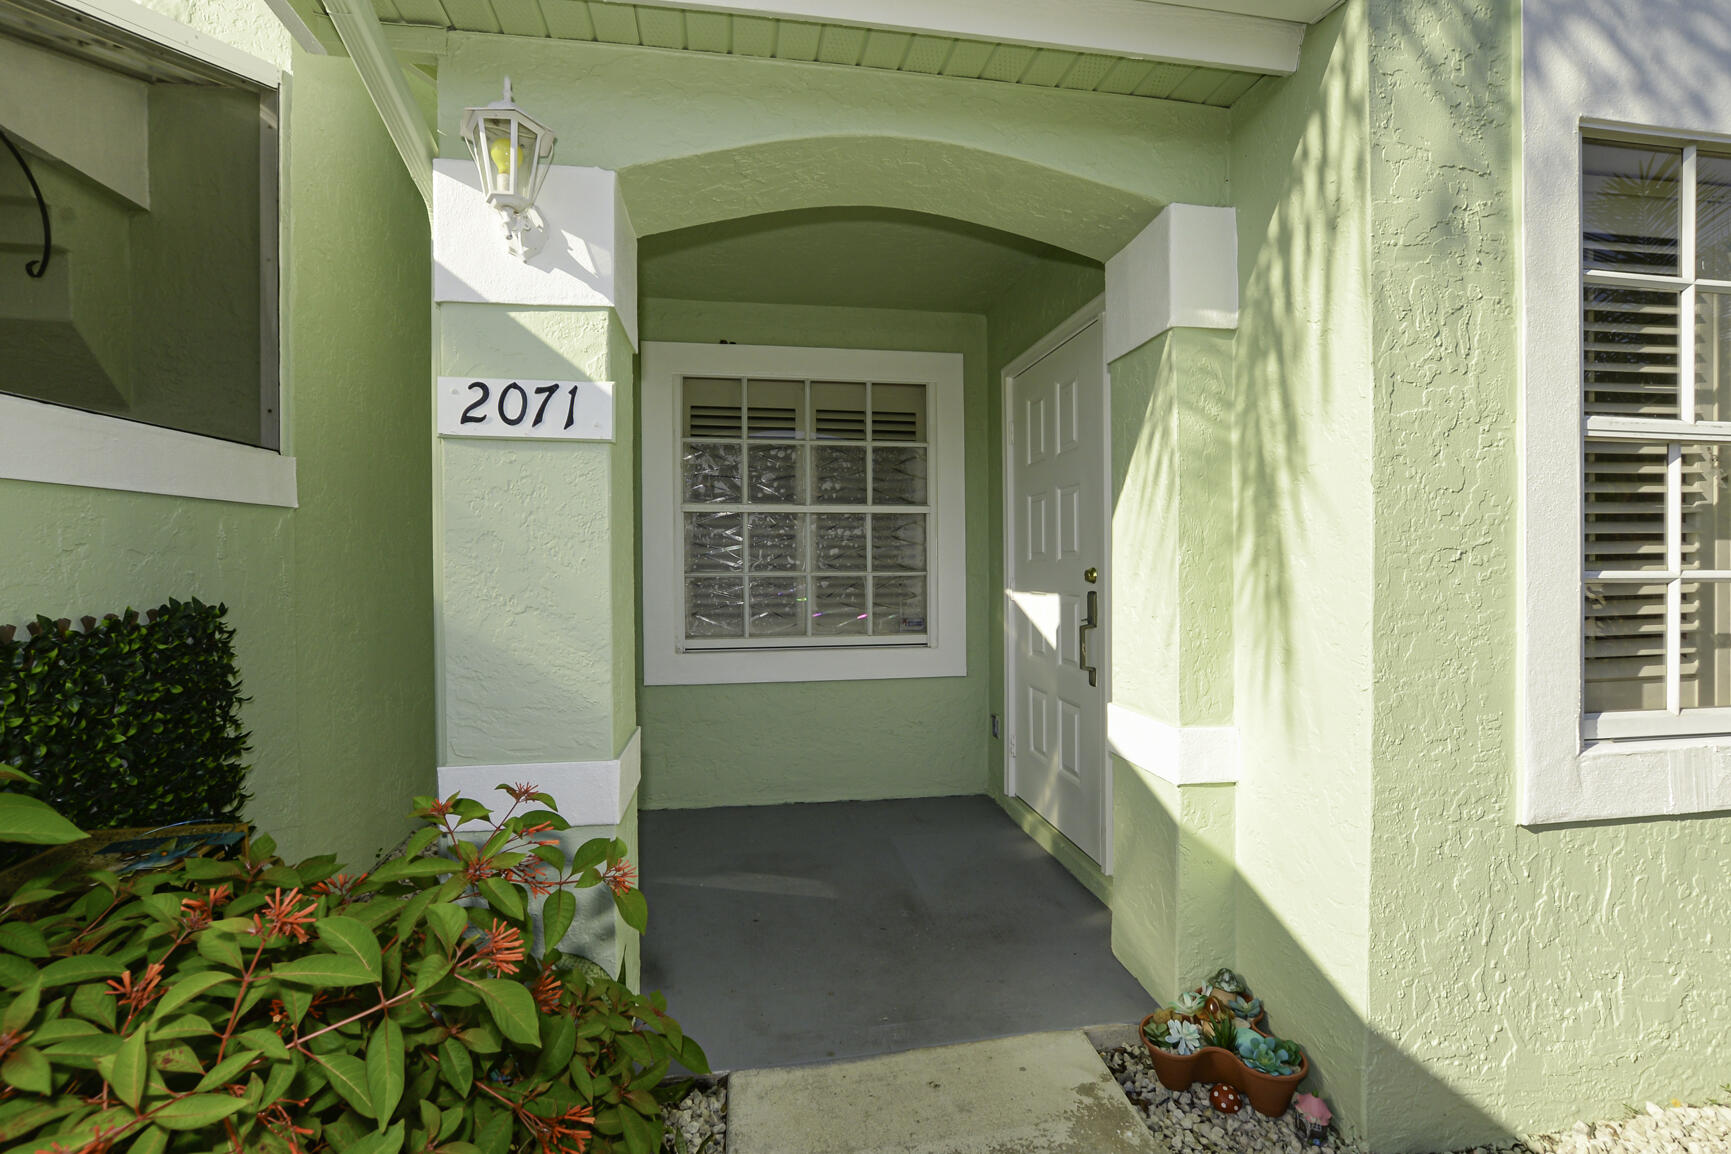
(1565, 777)
(60, 446)
(664, 661)
(56, 445)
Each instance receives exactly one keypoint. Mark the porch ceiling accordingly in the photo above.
(849, 257)
(1198, 53)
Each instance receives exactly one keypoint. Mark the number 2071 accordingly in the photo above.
(513, 405)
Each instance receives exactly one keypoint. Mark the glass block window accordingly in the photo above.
(805, 514)
(1656, 398)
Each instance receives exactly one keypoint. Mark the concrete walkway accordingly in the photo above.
(790, 934)
(1033, 1094)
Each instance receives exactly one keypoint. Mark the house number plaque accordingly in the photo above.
(538, 410)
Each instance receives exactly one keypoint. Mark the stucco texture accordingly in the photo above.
(331, 601)
(831, 740)
(533, 666)
(1080, 171)
(1302, 553)
(1546, 974)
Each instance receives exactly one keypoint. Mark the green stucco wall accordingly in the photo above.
(831, 740)
(332, 601)
(1545, 974)
(1302, 553)
(535, 544)
(1080, 171)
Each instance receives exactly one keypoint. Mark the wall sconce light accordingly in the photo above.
(511, 150)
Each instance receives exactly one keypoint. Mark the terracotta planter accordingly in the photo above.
(1270, 1094)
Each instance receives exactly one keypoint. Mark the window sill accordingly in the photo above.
(1619, 780)
(60, 446)
(747, 667)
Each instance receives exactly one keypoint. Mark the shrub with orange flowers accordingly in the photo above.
(253, 1005)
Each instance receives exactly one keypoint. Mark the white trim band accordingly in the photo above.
(586, 792)
(1180, 754)
(60, 446)
(1180, 272)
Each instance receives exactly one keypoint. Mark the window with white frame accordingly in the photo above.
(802, 514)
(1656, 401)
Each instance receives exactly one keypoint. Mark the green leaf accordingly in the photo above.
(62, 1029)
(28, 1070)
(447, 922)
(88, 1046)
(558, 1043)
(175, 1058)
(190, 987)
(185, 1026)
(321, 971)
(494, 1137)
(641, 1135)
(265, 1042)
(24, 819)
(346, 936)
(503, 897)
(455, 1066)
(196, 1111)
(23, 939)
(151, 1140)
(94, 1003)
(385, 1073)
(227, 1070)
(80, 968)
(430, 972)
(31, 1115)
(15, 972)
(221, 948)
(590, 854)
(420, 867)
(556, 917)
(385, 1142)
(23, 1007)
(512, 1007)
(128, 1069)
(634, 908)
(692, 1057)
(349, 1078)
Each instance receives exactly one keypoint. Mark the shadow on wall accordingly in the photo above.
(1283, 962)
(1590, 30)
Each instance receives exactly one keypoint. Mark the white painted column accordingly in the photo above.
(1179, 272)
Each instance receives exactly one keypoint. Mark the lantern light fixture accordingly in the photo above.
(511, 151)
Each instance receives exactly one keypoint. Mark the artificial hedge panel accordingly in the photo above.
(129, 722)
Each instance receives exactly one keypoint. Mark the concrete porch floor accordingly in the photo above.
(786, 935)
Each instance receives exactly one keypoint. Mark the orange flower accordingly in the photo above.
(502, 949)
(620, 876)
(522, 791)
(283, 917)
(548, 990)
(194, 914)
(566, 1133)
(339, 886)
(136, 997)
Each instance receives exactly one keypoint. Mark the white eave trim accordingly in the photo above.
(358, 27)
(1141, 29)
(171, 33)
(60, 446)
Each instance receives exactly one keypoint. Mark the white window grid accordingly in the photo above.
(1673, 434)
(807, 435)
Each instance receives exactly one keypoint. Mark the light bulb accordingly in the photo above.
(500, 150)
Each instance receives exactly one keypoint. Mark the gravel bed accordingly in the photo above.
(697, 1123)
(1191, 1126)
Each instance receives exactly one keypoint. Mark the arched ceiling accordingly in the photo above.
(859, 257)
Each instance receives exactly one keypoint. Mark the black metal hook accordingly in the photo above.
(35, 268)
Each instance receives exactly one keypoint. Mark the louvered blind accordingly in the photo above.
(1650, 462)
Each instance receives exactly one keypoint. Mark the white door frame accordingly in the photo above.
(1094, 312)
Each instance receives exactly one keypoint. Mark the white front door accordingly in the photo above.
(1057, 461)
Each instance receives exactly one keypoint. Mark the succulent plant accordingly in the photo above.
(1227, 981)
(1191, 1002)
(1224, 1033)
(1269, 1055)
(1247, 1008)
(1182, 1037)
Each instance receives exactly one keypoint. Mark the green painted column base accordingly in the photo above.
(1173, 888)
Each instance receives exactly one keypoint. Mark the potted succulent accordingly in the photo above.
(1204, 1037)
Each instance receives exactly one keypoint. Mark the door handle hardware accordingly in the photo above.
(1089, 622)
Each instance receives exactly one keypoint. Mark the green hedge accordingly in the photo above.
(128, 722)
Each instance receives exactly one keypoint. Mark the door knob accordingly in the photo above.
(1089, 622)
